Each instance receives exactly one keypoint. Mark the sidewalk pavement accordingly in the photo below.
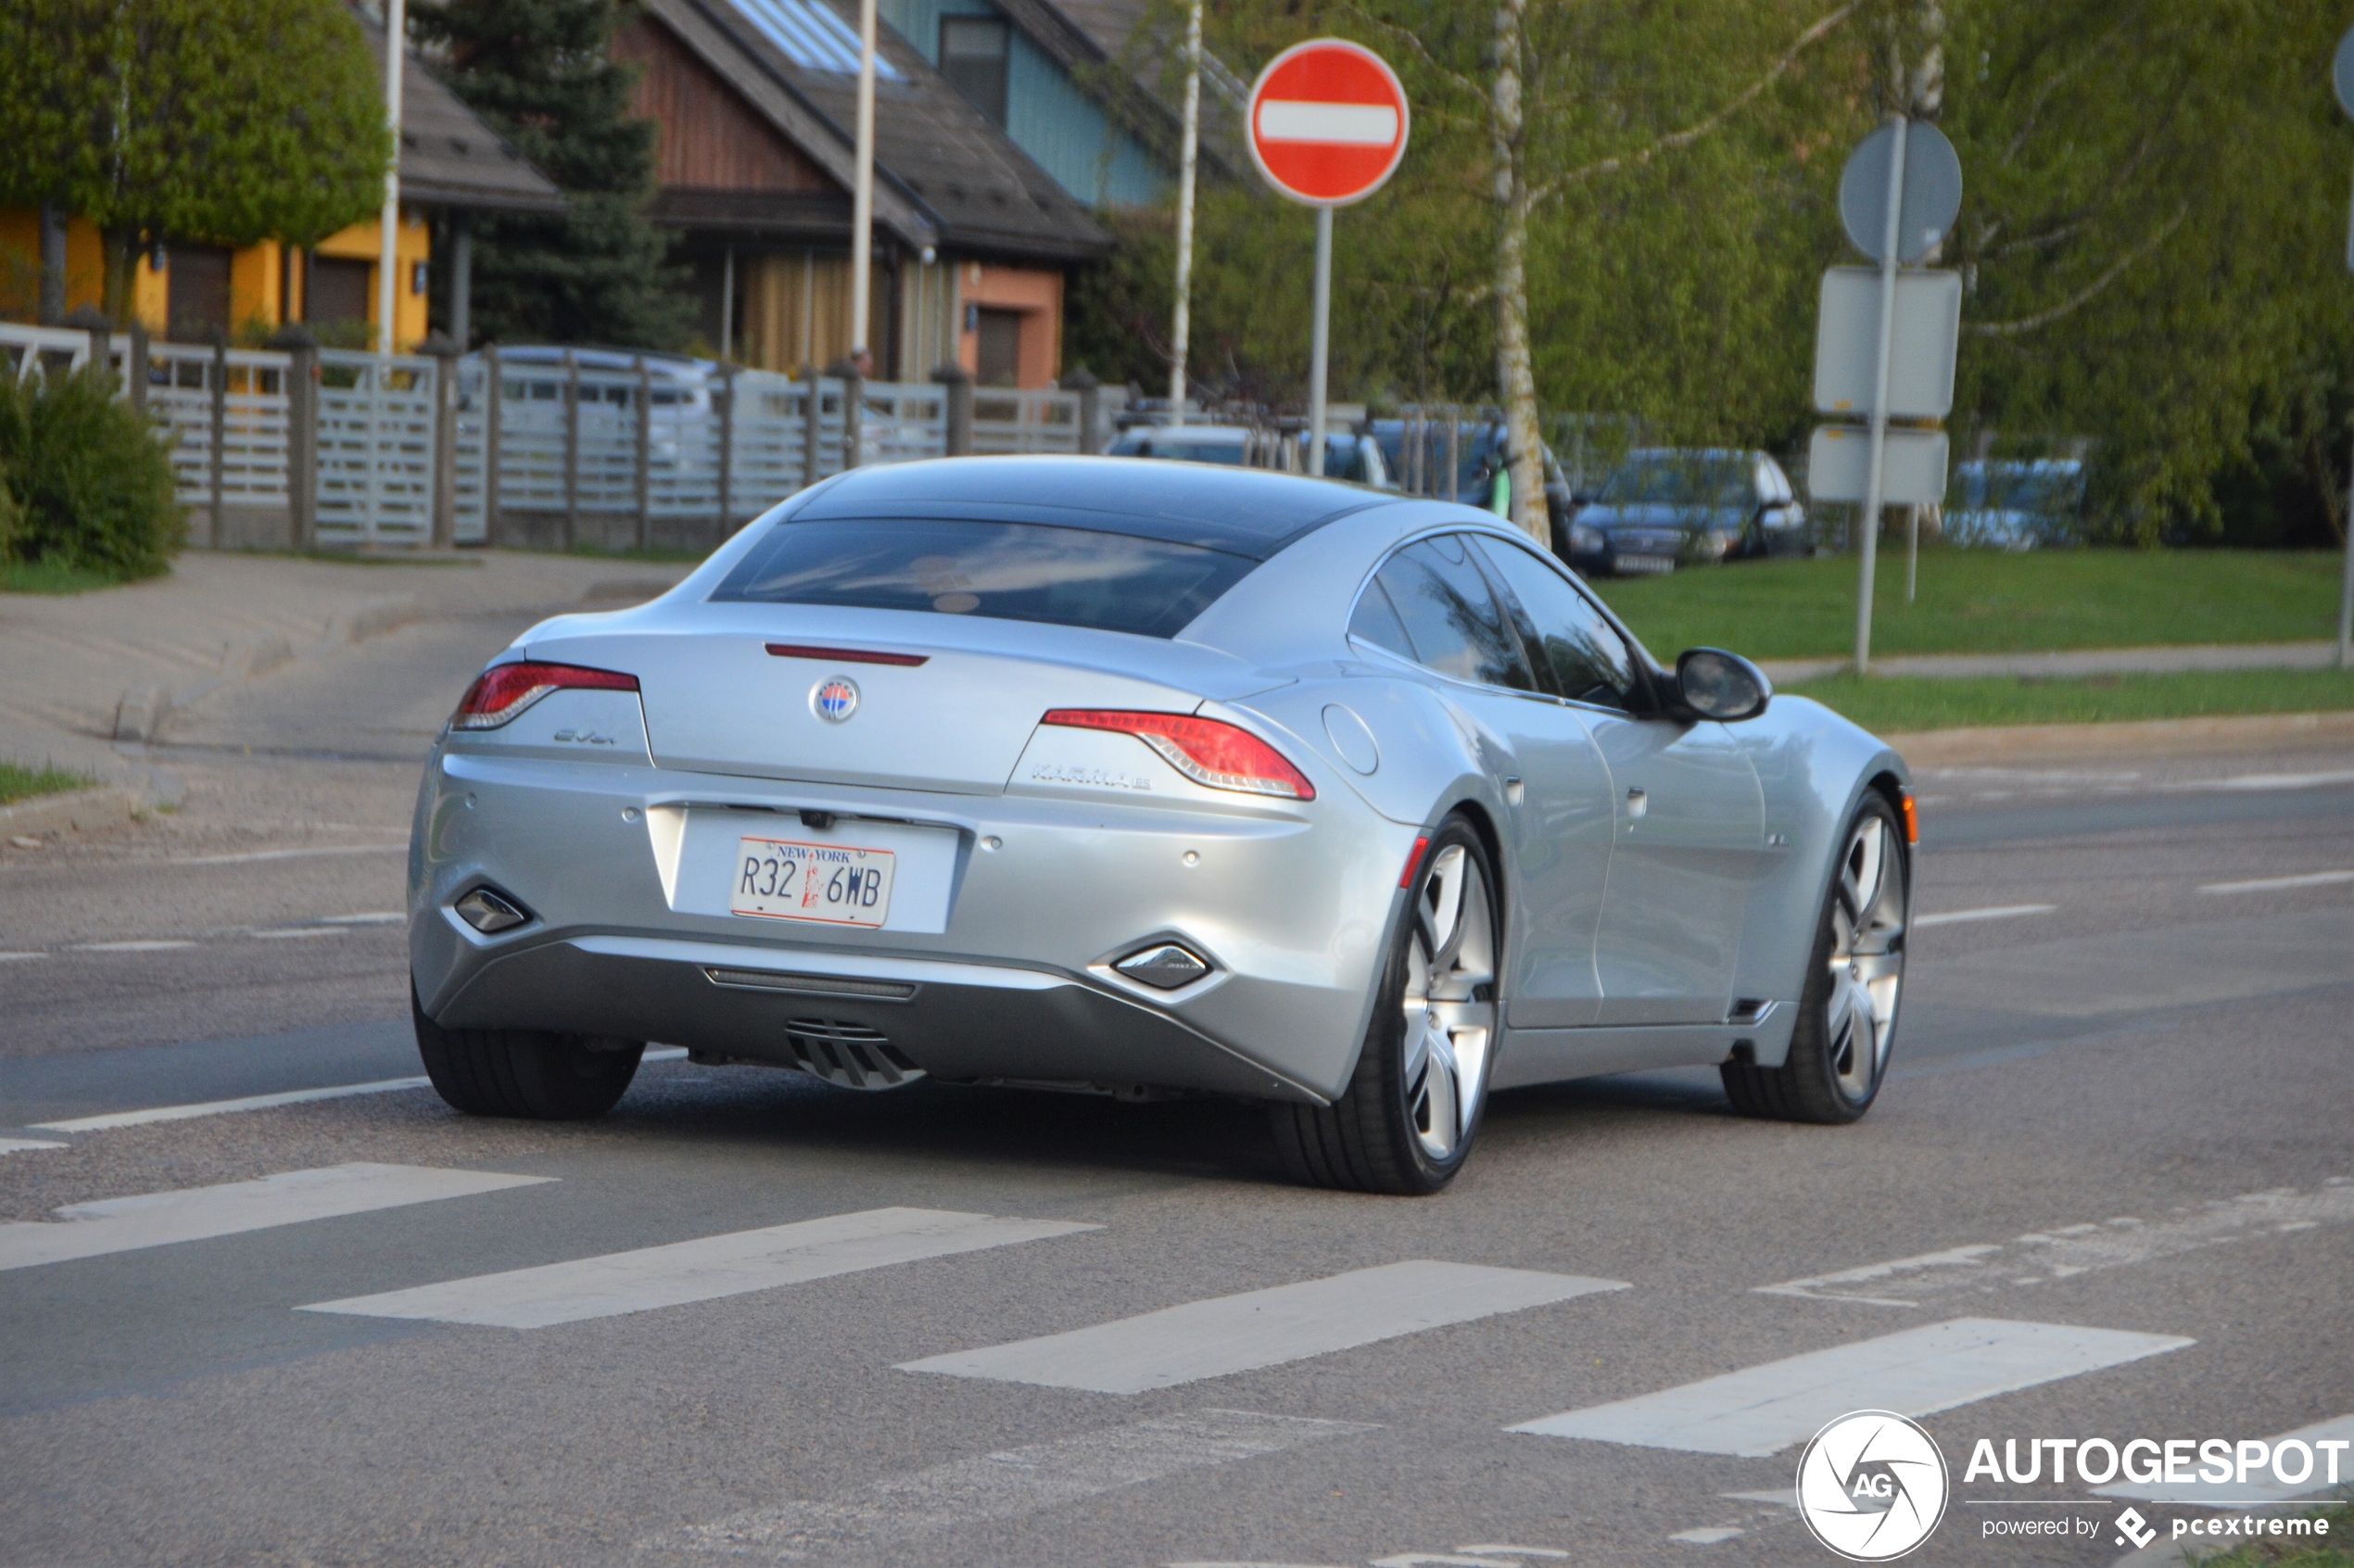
(88, 677)
(2082, 661)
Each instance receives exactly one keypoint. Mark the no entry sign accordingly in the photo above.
(1327, 122)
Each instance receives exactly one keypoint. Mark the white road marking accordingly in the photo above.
(19, 1145)
(2329, 1472)
(14, 957)
(2003, 912)
(1708, 1536)
(1785, 1498)
(281, 933)
(198, 1213)
(1265, 1328)
(704, 1270)
(288, 853)
(2273, 781)
(2040, 1257)
(381, 917)
(2276, 884)
(1352, 125)
(1010, 1483)
(129, 946)
(1764, 1410)
(112, 1119)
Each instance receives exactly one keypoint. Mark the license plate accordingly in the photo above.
(1638, 565)
(833, 884)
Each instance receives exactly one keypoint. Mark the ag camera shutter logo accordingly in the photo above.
(1872, 1485)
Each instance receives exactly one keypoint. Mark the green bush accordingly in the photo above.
(90, 486)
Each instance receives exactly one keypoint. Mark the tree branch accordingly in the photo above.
(2088, 293)
(1693, 133)
(1415, 45)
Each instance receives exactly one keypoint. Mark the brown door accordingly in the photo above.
(999, 348)
(196, 295)
(338, 291)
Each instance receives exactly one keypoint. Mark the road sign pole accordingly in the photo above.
(1320, 341)
(2346, 592)
(1876, 474)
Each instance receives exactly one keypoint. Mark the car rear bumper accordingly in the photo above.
(1008, 977)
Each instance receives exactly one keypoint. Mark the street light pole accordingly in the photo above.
(1877, 473)
(388, 223)
(862, 199)
(1180, 328)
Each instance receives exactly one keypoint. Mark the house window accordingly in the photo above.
(1000, 357)
(338, 291)
(972, 56)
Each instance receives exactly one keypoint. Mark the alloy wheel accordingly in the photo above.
(1448, 1002)
(1867, 957)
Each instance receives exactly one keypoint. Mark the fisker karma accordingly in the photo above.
(1140, 779)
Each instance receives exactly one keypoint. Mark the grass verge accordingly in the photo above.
(2334, 1551)
(1988, 601)
(1890, 705)
(18, 782)
(50, 577)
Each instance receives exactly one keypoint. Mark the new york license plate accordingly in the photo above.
(834, 884)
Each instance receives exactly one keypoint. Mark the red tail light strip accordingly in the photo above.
(505, 690)
(847, 655)
(1219, 756)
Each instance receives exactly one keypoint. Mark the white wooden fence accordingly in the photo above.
(346, 448)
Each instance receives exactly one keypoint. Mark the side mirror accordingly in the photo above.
(1721, 686)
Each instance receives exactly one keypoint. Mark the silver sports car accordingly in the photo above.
(1134, 778)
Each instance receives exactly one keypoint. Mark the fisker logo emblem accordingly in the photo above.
(834, 698)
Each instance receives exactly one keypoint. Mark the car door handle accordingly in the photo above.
(1638, 804)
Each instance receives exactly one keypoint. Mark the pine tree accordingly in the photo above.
(541, 72)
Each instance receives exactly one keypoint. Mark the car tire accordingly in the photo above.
(531, 1074)
(1854, 984)
(1406, 1123)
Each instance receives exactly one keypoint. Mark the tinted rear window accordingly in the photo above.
(1008, 571)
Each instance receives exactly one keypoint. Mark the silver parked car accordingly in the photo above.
(1129, 777)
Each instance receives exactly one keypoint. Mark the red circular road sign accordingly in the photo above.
(1327, 122)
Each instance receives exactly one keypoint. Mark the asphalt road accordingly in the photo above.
(2117, 1118)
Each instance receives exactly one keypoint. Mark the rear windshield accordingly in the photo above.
(1009, 571)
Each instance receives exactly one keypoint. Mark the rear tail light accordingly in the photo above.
(1218, 755)
(505, 690)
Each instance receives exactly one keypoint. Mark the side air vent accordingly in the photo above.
(812, 985)
(850, 1055)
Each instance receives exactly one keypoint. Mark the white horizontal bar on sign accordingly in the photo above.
(1351, 125)
(1010, 1483)
(1265, 1328)
(200, 1213)
(704, 1270)
(2328, 1472)
(1764, 1410)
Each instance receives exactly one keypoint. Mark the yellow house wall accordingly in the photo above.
(255, 273)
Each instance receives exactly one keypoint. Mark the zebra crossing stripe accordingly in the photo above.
(1766, 1408)
(703, 1270)
(1010, 1483)
(130, 1224)
(2326, 1472)
(1265, 1328)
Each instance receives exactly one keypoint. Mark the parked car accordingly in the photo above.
(1053, 772)
(1481, 446)
(1350, 457)
(1664, 507)
(679, 381)
(2000, 505)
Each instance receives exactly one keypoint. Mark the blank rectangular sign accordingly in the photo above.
(1838, 464)
(1920, 368)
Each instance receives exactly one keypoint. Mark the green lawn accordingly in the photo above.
(2334, 1551)
(1988, 601)
(45, 577)
(1890, 705)
(18, 782)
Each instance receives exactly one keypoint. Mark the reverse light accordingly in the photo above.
(503, 691)
(1210, 753)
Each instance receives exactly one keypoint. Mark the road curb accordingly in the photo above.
(77, 811)
(2042, 742)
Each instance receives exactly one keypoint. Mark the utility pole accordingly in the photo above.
(862, 199)
(1181, 329)
(388, 238)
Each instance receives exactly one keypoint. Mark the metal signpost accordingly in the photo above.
(1328, 124)
(2342, 78)
(1897, 198)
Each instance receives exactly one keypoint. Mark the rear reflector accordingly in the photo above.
(505, 690)
(1216, 755)
(847, 655)
(1413, 861)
